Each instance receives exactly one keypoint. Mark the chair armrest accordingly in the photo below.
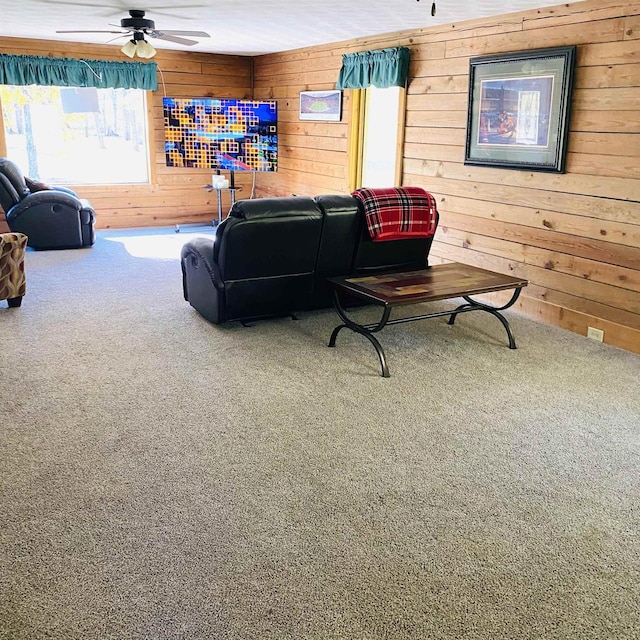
(199, 252)
(43, 199)
(64, 190)
(202, 286)
(87, 213)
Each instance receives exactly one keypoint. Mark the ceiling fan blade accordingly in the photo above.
(198, 34)
(122, 35)
(182, 6)
(162, 36)
(94, 5)
(76, 4)
(164, 11)
(76, 31)
(171, 15)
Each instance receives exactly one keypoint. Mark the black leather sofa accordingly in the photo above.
(271, 256)
(51, 218)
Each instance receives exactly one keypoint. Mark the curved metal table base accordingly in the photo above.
(474, 305)
(364, 330)
(367, 330)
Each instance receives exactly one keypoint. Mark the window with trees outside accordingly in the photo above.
(67, 135)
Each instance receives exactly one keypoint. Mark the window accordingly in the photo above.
(377, 137)
(67, 135)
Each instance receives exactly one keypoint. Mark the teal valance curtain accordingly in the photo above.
(381, 68)
(72, 72)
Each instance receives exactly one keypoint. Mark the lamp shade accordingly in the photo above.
(145, 50)
(129, 48)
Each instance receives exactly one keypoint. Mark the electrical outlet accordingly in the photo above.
(595, 334)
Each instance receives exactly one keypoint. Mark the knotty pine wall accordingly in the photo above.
(574, 236)
(175, 195)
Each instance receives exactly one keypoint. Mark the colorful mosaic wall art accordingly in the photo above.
(211, 133)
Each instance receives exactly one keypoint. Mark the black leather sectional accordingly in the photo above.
(271, 256)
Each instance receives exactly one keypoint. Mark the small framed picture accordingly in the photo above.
(321, 105)
(519, 107)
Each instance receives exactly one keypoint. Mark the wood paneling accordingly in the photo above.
(575, 236)
(175, 195)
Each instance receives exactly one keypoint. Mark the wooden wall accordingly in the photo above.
(175, 195)
(574, 236)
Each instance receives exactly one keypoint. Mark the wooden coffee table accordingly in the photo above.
(439, 282)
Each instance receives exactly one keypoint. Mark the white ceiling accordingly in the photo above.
(245, 27)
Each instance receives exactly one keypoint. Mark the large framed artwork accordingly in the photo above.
(519, 104)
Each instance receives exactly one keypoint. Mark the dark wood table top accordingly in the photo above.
(439, 282)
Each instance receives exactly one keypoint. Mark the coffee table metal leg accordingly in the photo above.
(372, 339)
(364, 330)
(474, 305)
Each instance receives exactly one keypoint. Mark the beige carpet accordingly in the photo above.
(165, 478)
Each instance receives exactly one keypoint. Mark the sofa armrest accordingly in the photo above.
(202, 285)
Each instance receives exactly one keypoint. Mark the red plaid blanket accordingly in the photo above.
(399, 212)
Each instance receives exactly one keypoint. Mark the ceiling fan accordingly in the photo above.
(136, 27)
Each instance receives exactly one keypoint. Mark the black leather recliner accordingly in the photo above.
(272, 256)
(261, 264)
(53, 218)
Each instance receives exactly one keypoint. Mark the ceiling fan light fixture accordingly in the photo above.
(145, 50)
(136, 27)
(129, 48)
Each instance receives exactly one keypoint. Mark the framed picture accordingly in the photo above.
(519, 105)
(321, 105)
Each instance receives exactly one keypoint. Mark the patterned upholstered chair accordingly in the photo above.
(12, 280)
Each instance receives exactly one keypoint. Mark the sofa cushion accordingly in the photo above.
(12, 184)
(340, 230)
(339, 234)
(262, 208)
(8, 194)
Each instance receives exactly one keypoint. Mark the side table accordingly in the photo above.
(217, 190)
